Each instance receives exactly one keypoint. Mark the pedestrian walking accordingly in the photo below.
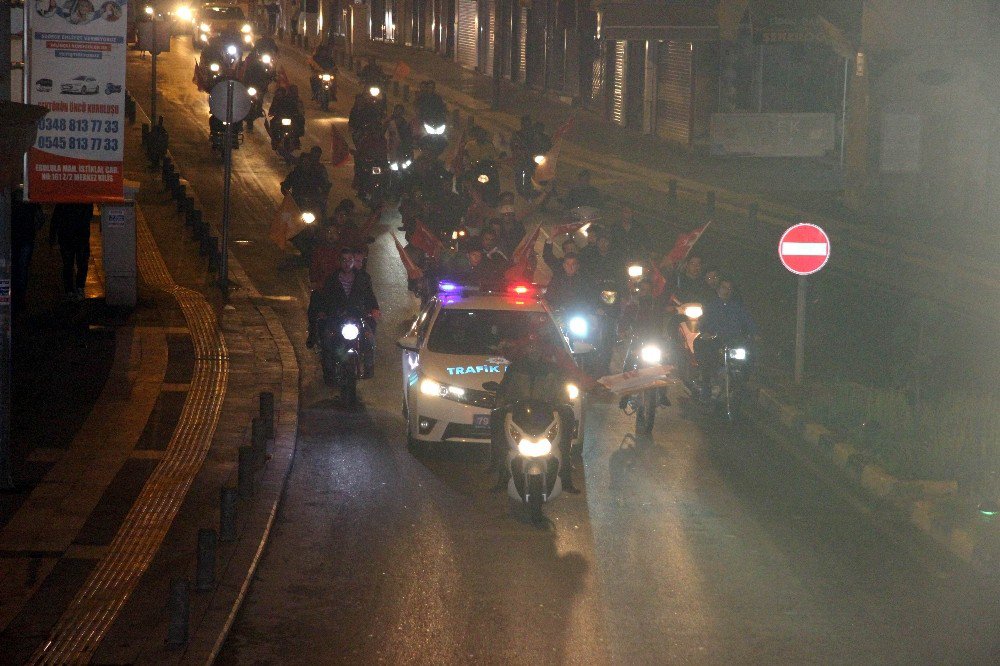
(71, 228)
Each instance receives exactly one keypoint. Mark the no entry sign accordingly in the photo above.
(804, 249)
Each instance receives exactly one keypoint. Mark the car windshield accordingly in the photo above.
(227, 13)
(473, 332)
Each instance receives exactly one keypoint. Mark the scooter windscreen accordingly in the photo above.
(532, 417)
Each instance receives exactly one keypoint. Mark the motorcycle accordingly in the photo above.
(644, 351)
(256, 106)
(217, 134)
(325, 91)
(485, 176)
(729, 388)
(347, 352)
(587, 325)
(283, 138)
(434, 139)
(399, 175)
(373, 183)
(533, 431)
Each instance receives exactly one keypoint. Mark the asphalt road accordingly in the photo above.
(708, 545)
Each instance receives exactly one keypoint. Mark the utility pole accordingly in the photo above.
(6, 473)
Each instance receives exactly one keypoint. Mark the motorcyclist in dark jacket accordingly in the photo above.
(308, 183)
(726, 320)
(286, 104)
(366, 115)
(569, 287)
(349, 289)
(322, 61)
(429, 104)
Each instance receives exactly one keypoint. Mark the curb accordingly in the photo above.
(208, 632)
(976, 542)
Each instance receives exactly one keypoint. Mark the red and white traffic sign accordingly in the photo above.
(804, 249)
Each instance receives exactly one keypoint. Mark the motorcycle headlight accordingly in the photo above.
(374, 91)
(247, 28)
(350, 331)
(326, 78)
(529, 449)
(286, 121)
(308, 217)
(184, 13)
(483, 178)
(651, 354)
(738, 354)
(376, 171)
(578, 326)
(394, 166)
(149, 10)
(204, 38)
(693, 311)
(434, 130)
(205, 27)
(539, 159)
(635, 271)
(232, 50)
(252, 91)
(609, 297)
(406, 164)
(266, 58)
(247, 39)
(214, 67)
(572, 391)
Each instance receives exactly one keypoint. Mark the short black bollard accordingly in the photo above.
(244, 472)
(178, 610)
(130, 109)
(258, 437)
(166, 167)
(213, 262)
(227, 514)
(266, 412)
(205, 571)
(710, 202)
(672, 191)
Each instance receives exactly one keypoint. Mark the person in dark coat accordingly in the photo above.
(71, 228)
(348, 289)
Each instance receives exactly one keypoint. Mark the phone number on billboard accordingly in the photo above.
(76, 143)
(92, 125)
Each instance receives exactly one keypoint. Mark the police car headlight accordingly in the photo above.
(246, 28)
(578, 326)
(214, 67)
(266, 58)
(651, 354)
(430, 387)
(738, 354)
(693, 311)
(350, 331)
(529, 449)
(572, 391)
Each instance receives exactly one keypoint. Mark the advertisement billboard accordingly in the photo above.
(76, 69)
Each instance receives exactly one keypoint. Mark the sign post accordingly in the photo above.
(154, 36)
(804, 249)
(229, 99)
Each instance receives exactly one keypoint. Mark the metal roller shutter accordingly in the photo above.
(522, 41)
(673, 91)
(467, 34)
(618, 86)
(490, 20)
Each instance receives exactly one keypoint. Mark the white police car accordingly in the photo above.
(453, 347)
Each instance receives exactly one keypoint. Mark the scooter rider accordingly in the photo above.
(429, 104)
(726, 319)
(366, 115)
(347, 289)
(322, 61)
(538, 370)
(287, 104)
(308, 183)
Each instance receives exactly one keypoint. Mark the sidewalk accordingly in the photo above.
(110, 510)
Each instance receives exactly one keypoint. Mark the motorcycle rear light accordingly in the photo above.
(520, 289)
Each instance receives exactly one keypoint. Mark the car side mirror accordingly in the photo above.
(491, 386)
(408, 342)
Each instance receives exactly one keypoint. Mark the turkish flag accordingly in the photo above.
(425, 240)
(567, 228)
(286, 223)
(526, 246)
(340, 153)
(684, 244)
(413, 271)
(401, 72)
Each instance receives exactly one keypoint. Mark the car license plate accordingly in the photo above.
(480, 420)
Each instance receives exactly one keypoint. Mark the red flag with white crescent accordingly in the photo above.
(685, 243)
(425, 240)
(413, 271)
